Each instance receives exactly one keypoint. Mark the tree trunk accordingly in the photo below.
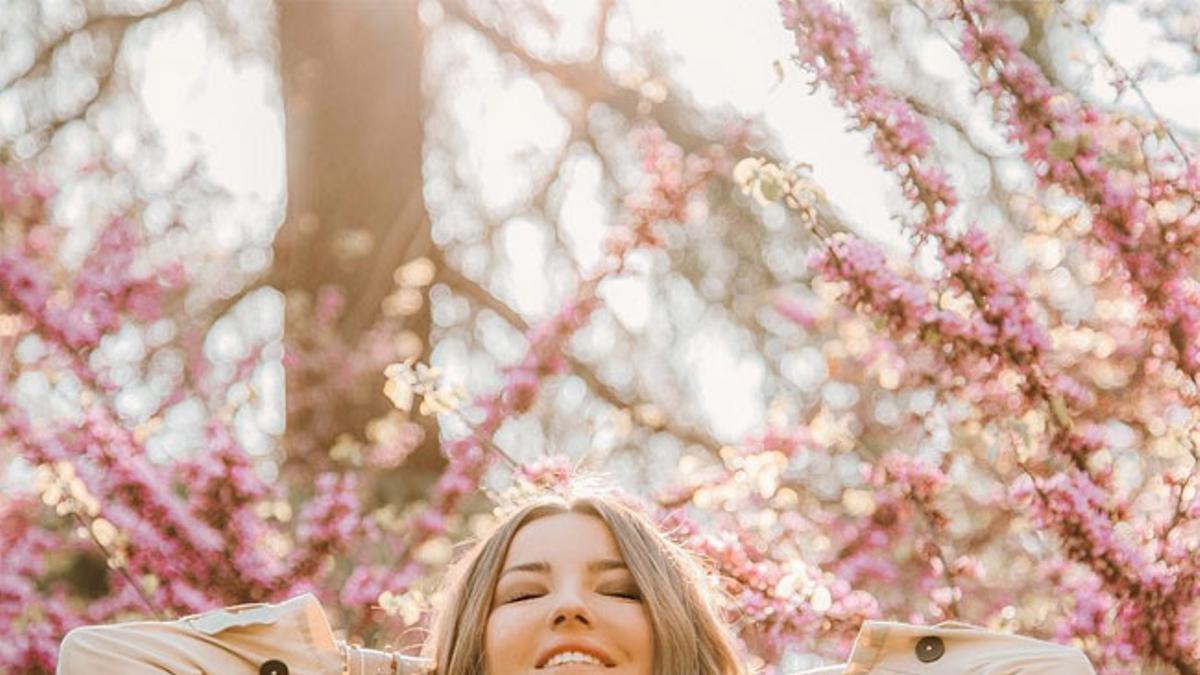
(351, 76)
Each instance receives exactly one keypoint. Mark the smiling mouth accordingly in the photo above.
(573, 658)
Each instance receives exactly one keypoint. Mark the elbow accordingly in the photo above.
(78, 650)
(1081, 663)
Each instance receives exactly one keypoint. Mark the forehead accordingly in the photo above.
(563, 539)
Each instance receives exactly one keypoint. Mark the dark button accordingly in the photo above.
(273, 667)
(930, 648)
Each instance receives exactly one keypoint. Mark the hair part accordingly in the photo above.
(690, 638)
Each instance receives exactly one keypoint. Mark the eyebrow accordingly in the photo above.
(543, 567)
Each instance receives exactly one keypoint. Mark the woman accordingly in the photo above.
(556, 586)
(561, 586)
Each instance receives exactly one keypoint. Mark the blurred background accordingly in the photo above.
(281, 148)
(349, 183)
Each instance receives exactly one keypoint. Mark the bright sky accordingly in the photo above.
(204, 104)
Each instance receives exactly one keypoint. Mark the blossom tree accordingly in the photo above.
(994, 422)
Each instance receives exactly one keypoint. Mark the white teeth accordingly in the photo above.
(572, 657)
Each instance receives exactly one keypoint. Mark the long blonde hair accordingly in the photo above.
(689, 636)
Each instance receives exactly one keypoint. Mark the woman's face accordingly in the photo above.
(566, 604)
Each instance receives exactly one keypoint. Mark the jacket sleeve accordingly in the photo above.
(951, 648)
(273, 639)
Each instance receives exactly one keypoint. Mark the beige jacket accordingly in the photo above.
(952, 648)
(291, 637)
(294, 637)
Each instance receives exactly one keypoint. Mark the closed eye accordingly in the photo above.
(523, 596)
(628, 595)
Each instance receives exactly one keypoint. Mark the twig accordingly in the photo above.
(120, 567)
(1126, 77)
(450, 276)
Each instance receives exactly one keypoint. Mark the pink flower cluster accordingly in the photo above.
(548, 473)
(910, 312)
(827, 45)
(777, 605)
(330, 520)
(1089, 619)
(326, 371)
(31, 620)
(672, 182)
(1147, 220)
(181, 537)
(212, 549)
(779, 601)
(1153, 597)
(105, 287)
(1064, 141)
(1003, 321)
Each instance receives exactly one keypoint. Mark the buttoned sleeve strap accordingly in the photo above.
(955, 648)
(1016, 653)
(295, 632)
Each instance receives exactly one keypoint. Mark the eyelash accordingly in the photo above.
(628, 595)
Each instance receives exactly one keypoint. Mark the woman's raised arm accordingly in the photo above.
(260, 639)
(953, 648)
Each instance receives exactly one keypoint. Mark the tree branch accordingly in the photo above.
(120, 22)
(452, 277)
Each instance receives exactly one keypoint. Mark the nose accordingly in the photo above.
(570, 610)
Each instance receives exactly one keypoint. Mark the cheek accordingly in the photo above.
(503, 643)
(647, 635)
(631, 624)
